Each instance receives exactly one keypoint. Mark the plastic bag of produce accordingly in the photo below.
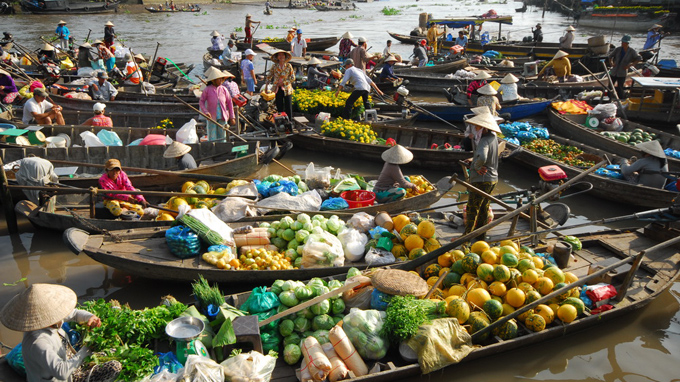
(15, 359)
(249, 189)
(322, 250)
(187, 133)
(207, 225)
(441, 343)
(317, 177)
(234, 209)
(362, 222)
(378, 256)
(347, 184)
(260, 301)
(183, 242)
(202, 369)
(251, 366)
(271, 339)
(283, 186)
(91, 140)
(307, 201)
(360, 296)
(363, 329)
(332, 204)
(109, 138)
(606, 110)
(353, 243)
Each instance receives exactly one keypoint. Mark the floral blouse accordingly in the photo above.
(285, 73)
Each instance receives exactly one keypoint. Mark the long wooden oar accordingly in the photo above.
(210, 119)
(579, 282)
(190, 175)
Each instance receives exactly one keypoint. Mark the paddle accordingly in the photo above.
(574, 284)
(616, 95)
(210, 119)
(411, 104)
(55, 47)
(189, 175)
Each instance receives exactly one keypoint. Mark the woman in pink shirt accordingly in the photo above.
(216, 103)
(116, 179)
(99, 119)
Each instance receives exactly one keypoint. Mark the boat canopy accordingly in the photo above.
(465, 21)
(658, 82)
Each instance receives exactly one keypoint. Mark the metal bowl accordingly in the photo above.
(184, 328)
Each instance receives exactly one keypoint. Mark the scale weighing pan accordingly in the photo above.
(184, 328)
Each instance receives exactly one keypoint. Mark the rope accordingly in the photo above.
(180, 70)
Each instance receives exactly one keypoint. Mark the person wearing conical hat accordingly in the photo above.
(477, 82)
(63, 34)
(622, 58)
(483, 170)
(391, 184)
(538, 33)
(39, 311)
(646, 170)
(560, 64)
(105, 54)
(249, 28)
(508, 89)
(387, 72)
(47, 54)
(180, 152)
(133, 74)
(471, 134)
(216, 103)
(8, 88)
(487, 97)
(291, 34)
(346, 45)
(654, 36)
(109, 34)
(282, 77)
(316, 77)
(216, 41)
(568, 39)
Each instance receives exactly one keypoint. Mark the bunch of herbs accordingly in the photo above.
(406, 313)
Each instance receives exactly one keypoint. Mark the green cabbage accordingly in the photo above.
(321, 308)
(334, 284)
(337, 306)
(322, 322)
(337, 319)
(302, 325)
(286, 327)
(321, 336)
(353, 272)
(297, 225)
(304, 293)
(286, 222)
(301, 235)
(292, 354)
(264, 225)
(288, 298)
(279, 243)
(277, 287)
(289, 285)
(292, 339)
(318, 217)
(306, 313)
(304, 218)
(302, 186)
(293, 244)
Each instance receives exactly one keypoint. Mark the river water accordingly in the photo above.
(642, 346)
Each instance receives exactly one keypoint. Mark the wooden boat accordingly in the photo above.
(452, 112)
(623, 18)
(418, 140)
(6, 9)
(427, 82)
(154, 10)
(541, 50)
(654, 99)
(209, 60)
(125, 106)
(447, 67)
(342, 7)
(313, 44)
(298, 4)
(47, 7)
(521, 10)
(658, 272)
(132, 119)
(573, 126)
(616, 190)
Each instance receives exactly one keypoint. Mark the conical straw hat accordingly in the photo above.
(215, 33)
(176, 149)
(397, 155)
(288, 55)
(38, 307)
(652, 148)
(509, 79)
(313, 61)
(480, 110)
(487, 90)
(485, 120)
(109, 24)
(47, 47)
(213, 73)
(347, 35)
(560, 54)
(482, 75)
(391, 58)
(570, 29)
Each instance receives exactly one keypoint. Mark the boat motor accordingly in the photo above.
(400, 98)
(281, 122)
(551, 177)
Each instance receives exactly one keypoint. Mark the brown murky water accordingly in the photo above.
(642, 346)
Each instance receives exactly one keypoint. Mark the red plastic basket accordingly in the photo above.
(358, 198)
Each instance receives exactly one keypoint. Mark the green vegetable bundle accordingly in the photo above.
(206, 294)
(406, 313)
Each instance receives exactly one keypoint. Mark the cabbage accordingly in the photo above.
(289, 285)
(264, 225)
(321, 336)
(308, 333)
(298, 262)
(303, 293)
(288, 298)
(301, 235)
(299, 250)
(322, 322)
(286, 327)
(334, 284)
(353, 272)
(319, 289)
(321, 308)
(271, 231)
(308, 226)
(288, 234)
(283, 308)
(304, 218)
(286, 222)
(297, 179)
(317, 281)
(337, 319)
(274, 225)
(272, 178)
(318, 217)
(302, 186)
(292, 354)
(333, 226)
(337, 306)
(293, 244)
(292, 253)
(306, 313)
(277, 287)
(302, 325)
(279, 243)
(292, 339)
(317, 231)
(296, 226)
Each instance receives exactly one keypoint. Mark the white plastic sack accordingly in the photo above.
(85, 71)
(377, 256)
(307, 201)
(91, 140)
(317, 177)
(353, 243)
(362, 222)
(234, 209)
(120, 51)
(187, 133)
(251, 366)
(210, 220)
(109, 138)
(202, 369)
(322, 250)
(606, 110)
(249, 189)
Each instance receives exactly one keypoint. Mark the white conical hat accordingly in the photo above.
(560, 54)
(487, 90)
(391, 58)
(509, 79)
(347, 35)
(482, 75)
(109, 24)
(480, 110)
(213, 73)
(485, 120)
(313, 61)
(652, 148)
(38, 307)
(176, 149)
(570, 29)
(397, 155)
(215, 33)
(47, 47)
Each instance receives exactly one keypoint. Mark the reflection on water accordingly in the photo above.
(639, 346)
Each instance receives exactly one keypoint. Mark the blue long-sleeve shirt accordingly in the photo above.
(63, 32)
(387, 72)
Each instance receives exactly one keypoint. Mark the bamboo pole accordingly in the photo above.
(210, 119)
(6, 198)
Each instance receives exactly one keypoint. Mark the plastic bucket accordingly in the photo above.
(55, 141)
(601, 49)
(561, 253)
(358, 198)
(36, 137)
(66, 137)
(597, 41)
(20, 140)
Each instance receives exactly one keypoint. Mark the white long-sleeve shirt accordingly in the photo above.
(45, 355)
(357, 78)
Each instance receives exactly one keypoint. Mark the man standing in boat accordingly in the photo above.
(249, 28)
(622, 58)
(62, 33)
(654, 36)
(109, 34)
(538, 33)
(362, 85)
(433, 35)
(568, 39)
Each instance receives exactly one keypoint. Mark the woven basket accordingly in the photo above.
(400, 283)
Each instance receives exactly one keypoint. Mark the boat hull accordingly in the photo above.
(314, 44)
(67, 7)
